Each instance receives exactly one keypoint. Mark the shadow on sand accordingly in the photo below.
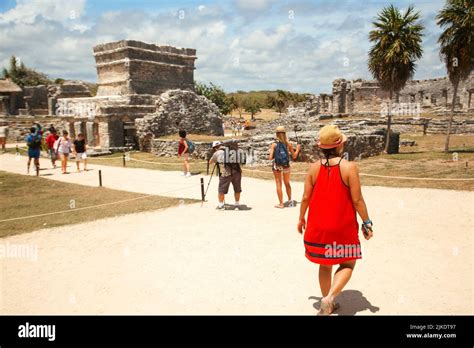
(239, 208)
(350, 302)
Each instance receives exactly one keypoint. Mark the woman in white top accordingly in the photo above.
(63, 148)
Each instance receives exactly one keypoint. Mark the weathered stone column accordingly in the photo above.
(77, 128)
(104, 135)
(90, 133)
(28, 105)
(52, 105)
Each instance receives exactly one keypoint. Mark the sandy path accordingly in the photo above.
(193, 260)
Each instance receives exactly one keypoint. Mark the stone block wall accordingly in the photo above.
(433, 95)
(177, 110)
(133, 67)
(19, 127)
(358, 146)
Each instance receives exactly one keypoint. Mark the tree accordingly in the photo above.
(237, 102)
(397, 45)
(456, 46)
(279, 101)
(216, 95)
(24, 76)
(252, 106)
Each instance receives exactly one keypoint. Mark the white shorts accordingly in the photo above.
(81, 156)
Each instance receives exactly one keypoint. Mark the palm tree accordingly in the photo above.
(457, 46)
(397, 45)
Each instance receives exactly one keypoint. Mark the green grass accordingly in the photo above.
(29, 195)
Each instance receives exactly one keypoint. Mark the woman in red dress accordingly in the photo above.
(333, 193)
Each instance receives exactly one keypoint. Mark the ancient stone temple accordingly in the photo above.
(133, 67)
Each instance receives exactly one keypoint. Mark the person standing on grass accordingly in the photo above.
(80, 151)
(280, 153)
(33, 141)
(333, 193)
(3, 135)
(50, 141)
(63, 148)
(183, 152)
(228, 173)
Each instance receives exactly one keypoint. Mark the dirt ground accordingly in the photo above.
(196, 260)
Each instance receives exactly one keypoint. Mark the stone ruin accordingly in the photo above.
(364, 97)
(178, 109)
(138, 83)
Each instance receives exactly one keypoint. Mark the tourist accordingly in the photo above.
(3, 135)
(332, 191)
(33, 141)
(233, 127)
(281, 152)
(183, 152)
(63, 148)
(228, 173)
(50, 141)
(80, 151)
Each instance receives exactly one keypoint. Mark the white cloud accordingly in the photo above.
(27, 10)
(260, 40)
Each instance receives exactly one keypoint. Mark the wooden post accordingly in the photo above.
(100, 178)
(123, 158)
(203, 196)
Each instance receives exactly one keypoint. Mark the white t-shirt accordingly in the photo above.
(64, 146)
(3, 131)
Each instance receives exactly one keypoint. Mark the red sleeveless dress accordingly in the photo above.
(331, 235)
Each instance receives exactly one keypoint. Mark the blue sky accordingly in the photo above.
(298, 45)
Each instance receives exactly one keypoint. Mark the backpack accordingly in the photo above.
(191, 146)
(34, 143)
(281, 155)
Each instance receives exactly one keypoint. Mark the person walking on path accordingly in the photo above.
(3, 135)
(228, 173)
(280, 152)
(50, 141)
(80, 151)
(183, 152)
(33, 141)
(333, 193)
(63, 148)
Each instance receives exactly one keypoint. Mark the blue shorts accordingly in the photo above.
(34, 153)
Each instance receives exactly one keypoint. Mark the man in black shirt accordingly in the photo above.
(80, 151)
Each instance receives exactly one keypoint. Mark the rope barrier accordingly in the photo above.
(377, 176)
(166, 163)
(95, 206)
(104, 158)
(413, 178)
(75, 209)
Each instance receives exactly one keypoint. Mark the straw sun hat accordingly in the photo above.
(280, 129)
(330, 136)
